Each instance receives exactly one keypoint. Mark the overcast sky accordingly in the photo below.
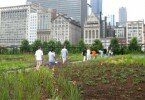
(135, 8)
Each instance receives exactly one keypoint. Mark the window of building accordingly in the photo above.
(89, 33)
(93, 34)
(86, 34)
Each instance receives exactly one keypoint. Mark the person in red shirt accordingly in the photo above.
(94, 54)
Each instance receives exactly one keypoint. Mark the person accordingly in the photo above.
(84, 53)
(101, 53)
(88, 54)
(64, 54)
(94, 54)
(39, 58)
(110, 53)
(105, 52)
(51, 56)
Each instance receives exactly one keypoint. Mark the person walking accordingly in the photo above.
(84, 53)
(88, 54)
(51, 56)
(39, 58)
(94, 54)
(64, 54)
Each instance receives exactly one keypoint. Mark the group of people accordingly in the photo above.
(87, 54)
(51, 57)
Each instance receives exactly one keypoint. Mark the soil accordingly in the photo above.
(109, 92)
(114, 91)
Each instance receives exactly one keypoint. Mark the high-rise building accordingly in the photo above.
(122, 16)
(96, 6)
(22, 22)
(18, 23)
(135, 29)
(77, 9)
(111, 20)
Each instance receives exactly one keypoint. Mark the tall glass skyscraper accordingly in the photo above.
(122, 15)
(96, 6)
(77, 9)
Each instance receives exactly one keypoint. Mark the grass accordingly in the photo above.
(36, 85)
(9, 62)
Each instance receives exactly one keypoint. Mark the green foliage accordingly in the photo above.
(45, 47)
(13, 50)
(97, 45)
(3, 50)
(36, 45)
(51, 45)
(124, 49)
(67, 44)
(58, 47)
(34, 85)
(134, 46)
(10, 50)
(25, 47)
(114, 46)
(81, 45)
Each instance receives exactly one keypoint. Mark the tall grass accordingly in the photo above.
(35, 85)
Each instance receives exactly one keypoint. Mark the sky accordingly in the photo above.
(135, 8)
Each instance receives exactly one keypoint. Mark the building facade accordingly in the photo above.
(77, 9)
(64, 28)
(96, 6)
(29, 22)
(122, 16)
(18, 23)
(135, 29)
(91, 29)
(44, 24)
(120, 34)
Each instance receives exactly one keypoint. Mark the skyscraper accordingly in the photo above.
(77, 9)
(122, 16)
(96, 6)
(18, 23)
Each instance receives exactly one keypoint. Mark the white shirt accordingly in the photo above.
(51, 56)
(64, 52)
(88, 51)
(39, 54)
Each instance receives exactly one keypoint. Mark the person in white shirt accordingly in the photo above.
(64, 54)
(88, 54)
(51, 56)
(38, 57)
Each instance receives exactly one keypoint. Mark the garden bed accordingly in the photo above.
(117, 78)
(114, 78)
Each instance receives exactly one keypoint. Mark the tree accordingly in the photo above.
(124, 49)
(58, 46)
(36, 44)
(67, 44)
(134, 46)
(45, 47)
(25, 47)
(81, 45)
(97, 45)
(114, 45)
(51, 45)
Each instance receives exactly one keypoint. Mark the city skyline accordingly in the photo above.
(135, 8)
